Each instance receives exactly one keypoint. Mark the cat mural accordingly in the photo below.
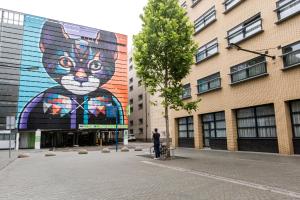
(80, 66)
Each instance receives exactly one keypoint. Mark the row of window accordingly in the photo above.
(141, 121)
(244, 30)
(10, 17)
(252, 122)
(239, 33)
(141, 131)
(284, 9)
(228, 4)
(247, 70)
(6, 136)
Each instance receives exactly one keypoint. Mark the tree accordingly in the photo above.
(164, 51)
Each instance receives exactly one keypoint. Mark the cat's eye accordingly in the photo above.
(65, 62)
(95, 65)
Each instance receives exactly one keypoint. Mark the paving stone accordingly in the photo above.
(124, 149)
(105, 150)
(82, 151)
(49, 154)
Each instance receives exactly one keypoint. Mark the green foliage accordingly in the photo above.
(164, 51)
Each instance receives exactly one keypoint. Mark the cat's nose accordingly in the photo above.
(81, 75)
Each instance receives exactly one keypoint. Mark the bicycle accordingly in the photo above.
(163, 151)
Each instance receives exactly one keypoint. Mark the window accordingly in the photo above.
(131, 88)
(230, 4)
(140, 106)
(291, 55)
(139, 83)
(141, 131)
(131, 123)
(256, 122)
(13, 18)
(186, 91)
(295, 112)
(186, 127)
(246, 29)
(131, 132)
(140, 97)
(213, 126)
(130, 67)
(131, 109)
(131, 80)
(184, 5)
(209, 83)
(195, 2)
(248, 70)
(6, 136)
(204, 20)
(130, 60)
(131, 101)
(287, 8)
(141, 121)
(207, 51)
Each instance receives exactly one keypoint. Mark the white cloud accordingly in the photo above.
(121, 16)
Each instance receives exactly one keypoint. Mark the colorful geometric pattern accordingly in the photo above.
(98, 105)
(57, 104)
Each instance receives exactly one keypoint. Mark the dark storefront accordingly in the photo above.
(214, 130)
(186, 132)
(295, 115)
(257, 129)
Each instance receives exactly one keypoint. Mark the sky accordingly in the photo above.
(120, 16)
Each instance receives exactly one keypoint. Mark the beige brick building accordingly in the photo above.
(146, 110)
(248, 102)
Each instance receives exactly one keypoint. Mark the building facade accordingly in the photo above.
(249, 102)
(146, 111)
(63, 83)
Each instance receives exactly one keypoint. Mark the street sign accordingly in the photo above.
(125, 139)
(10, 122)
(102, 126)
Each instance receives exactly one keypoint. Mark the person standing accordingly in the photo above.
(156, 141)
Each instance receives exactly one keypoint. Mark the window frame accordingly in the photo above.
(187, 87)
(232, 7)
(140, 106)
(216, 45)
(141, 121)
(278, 9)
(247, 69)
(292, 119)
(252, 20)
(184, 5)
(209, 81)
(194, 3)
(215, 125)
(285, 54)
(187, 123)
(256, 127)
(140, 97)
(205, 17)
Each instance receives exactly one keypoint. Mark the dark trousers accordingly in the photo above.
(156, 149)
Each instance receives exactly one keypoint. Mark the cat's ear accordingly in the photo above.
(53, 33)
(102, 39)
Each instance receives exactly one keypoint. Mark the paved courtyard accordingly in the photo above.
(198, 174)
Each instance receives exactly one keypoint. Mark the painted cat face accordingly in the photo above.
(79, 65)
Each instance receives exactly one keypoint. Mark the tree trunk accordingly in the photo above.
(167, 130)
(167, 115)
